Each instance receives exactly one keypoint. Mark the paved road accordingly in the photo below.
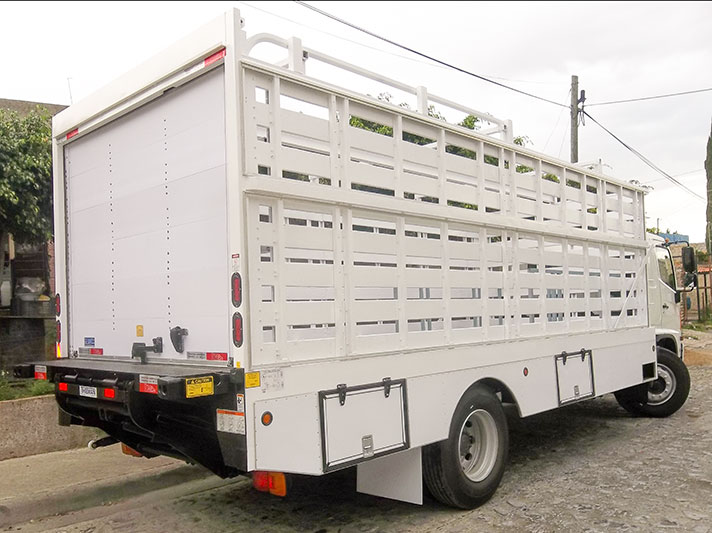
(587, 467)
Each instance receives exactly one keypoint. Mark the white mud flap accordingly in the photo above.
(363, 422)
(398, 477)
(574, 375)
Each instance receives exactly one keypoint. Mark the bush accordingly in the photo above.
(13, 389)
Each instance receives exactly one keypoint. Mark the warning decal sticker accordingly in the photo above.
(195, 387)
(252, 379)
(40, 372)
(240, 403)
(230, 421)
(148, 384)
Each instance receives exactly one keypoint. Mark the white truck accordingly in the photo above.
(267, 274)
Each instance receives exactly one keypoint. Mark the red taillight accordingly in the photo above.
(72, 133)
(59, 332)
(236, 289)
(237, 329)
(213, 58)
(57, 304)
(260, 480)
(273, 482)
(63, 387)
(109, 393)
(216, 356)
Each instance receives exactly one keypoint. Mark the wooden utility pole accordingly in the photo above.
(574, 118)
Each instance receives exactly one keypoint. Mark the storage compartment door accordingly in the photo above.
(574, 375)
(362, 422)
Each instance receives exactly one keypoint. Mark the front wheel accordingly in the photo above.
(663, 396)
(464, 471)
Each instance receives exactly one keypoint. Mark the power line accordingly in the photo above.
(426, 56)
(556, 125)
(651, 97)
(645, 159)
(381, 50)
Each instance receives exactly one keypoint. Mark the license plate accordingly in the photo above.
(89, 392)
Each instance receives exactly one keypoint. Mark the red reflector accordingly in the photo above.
(128, 450)
(237, 329)
(213, 58)
(96, 351)
(72, 133)
(59, 332)
(57, 304)
(215, 356)
(236, 289)
(63, 387)
(261, 481)
(109, 393)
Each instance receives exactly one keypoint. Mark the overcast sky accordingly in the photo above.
(619, 51)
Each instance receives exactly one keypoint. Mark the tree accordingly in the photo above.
(25, 176)
(708, 171)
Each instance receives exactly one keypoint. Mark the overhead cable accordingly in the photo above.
(651, 97)
(645, 159)
(426, 56)
(380, 50)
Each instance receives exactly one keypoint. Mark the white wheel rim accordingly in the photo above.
(479, 445)
(660, 390)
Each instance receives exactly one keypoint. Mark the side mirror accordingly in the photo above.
(690, 280)
(689, 259)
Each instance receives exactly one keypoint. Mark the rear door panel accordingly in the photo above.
(147, 226)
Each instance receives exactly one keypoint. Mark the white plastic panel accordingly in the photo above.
(147, 225)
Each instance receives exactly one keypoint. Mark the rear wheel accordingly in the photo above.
(465, 470)
(663, 396)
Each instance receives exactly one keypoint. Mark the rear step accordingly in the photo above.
(156, 409)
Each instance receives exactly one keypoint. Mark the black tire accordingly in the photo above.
(445, 463)
(665, 395)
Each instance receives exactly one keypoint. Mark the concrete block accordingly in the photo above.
(29, 427)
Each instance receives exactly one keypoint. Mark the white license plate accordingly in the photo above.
(89, 392)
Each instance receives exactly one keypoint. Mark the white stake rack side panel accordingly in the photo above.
(420, 235)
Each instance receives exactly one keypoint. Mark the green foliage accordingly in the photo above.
(11, 389)
(26, 175)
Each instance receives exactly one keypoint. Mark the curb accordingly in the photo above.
(43, 504)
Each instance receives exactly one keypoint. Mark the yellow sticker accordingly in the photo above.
(195, 387)
(139, 331)
(252, 379)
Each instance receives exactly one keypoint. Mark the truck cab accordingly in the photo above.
(664, 295)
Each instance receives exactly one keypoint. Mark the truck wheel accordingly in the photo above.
(661, 397)
(464, 470)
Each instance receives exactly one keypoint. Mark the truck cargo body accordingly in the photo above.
(232, 242)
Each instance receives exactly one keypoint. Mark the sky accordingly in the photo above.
(60, 52)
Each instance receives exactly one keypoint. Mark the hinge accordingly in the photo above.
(341, 388)
(387, 387)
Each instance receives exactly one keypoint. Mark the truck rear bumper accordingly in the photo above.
(157, 409)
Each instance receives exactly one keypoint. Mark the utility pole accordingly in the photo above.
(574, 118)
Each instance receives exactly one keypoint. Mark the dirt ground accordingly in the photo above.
(698, 347)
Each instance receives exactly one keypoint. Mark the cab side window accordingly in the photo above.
(667, 273)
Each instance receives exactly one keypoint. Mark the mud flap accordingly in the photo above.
(398, 477)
